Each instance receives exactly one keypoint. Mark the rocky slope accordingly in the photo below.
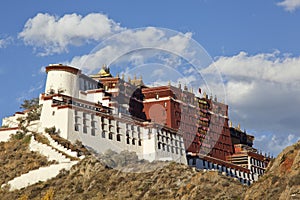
(91, 179)
(282, 180)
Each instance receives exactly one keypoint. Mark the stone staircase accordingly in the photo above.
(47, 151)
(61, 148)
(37, 175)
(44, 173)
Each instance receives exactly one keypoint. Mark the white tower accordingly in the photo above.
(62, 79)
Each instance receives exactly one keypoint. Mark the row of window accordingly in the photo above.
(167, 140)
(169, 148)
(229, 171)
(257, 162)
(257, 170)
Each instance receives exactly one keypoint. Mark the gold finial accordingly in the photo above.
(104, 72)
(117, 75)
(129, 79)
(204, 95)
(169, 83)
(230, 123)
(134, 77)
(239, 127)
(192, 90)
(123, 77)
(179, 85)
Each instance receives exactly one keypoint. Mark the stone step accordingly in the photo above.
(58, 146)
(47, 151)
(41, 174)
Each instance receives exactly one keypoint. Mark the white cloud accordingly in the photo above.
(4, 42)
(52, 34)
(263, 93)
(290, 5)
(144, 43)
(274, 144)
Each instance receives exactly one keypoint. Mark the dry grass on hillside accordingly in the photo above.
(90, 179)
(16, 158)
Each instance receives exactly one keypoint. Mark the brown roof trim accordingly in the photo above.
(8, 129)
(222, 162)
(63, 68)
(95, 91)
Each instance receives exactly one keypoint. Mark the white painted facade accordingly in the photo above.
(79, 110)
(6, 133)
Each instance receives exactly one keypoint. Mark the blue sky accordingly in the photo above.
(255, 44)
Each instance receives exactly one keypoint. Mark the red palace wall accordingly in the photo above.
(203, 122)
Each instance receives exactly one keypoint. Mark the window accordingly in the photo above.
(53, 113)
(133, 141)
(84, 129)
(93, 132)
(128, 140)
(118, 137)
(76, 127)
(194, 161)
(110, 136)
(103, 134)
(140, 142)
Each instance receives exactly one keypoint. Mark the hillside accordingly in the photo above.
(17, 159)
(91, 179)
(282, 180)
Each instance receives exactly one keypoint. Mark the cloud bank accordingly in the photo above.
(52, 34)
(263, 92)
(290, 5)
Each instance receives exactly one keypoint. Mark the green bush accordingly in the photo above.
(18, 136)
(51, 130)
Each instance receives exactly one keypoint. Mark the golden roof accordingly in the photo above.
(104, 72)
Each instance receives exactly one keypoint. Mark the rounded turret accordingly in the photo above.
(62, 79)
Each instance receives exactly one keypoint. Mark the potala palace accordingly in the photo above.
(157, 123)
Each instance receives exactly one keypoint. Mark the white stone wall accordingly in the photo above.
(102, 133)
(5, 134)
(64, 81)
(51, 116)
(41, 174)
(12, 121)
(169, 146)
